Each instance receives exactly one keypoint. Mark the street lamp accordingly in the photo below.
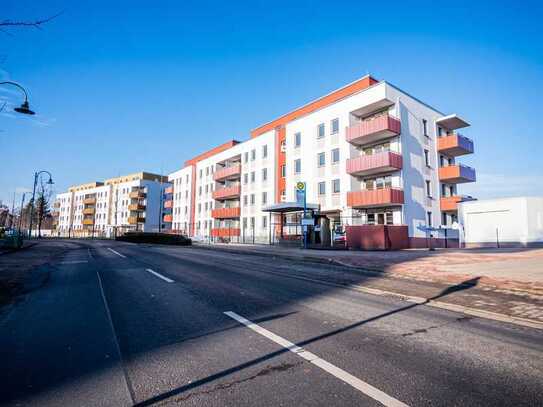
(50, 182)
(25, 107)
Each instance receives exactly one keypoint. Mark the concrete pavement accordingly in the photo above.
(105, 330)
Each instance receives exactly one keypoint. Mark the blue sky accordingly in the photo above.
(125, 86)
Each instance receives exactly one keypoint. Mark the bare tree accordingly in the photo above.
(31, 23)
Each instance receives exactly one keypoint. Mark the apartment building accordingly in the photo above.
(115, 206)
(369, 154)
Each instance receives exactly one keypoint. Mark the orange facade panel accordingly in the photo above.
(227, 193)
(226, 213)
(454, 145)
(212, 152)
(375, 198)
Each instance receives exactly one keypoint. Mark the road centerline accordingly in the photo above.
(328, 367)
(168, 280)
(116, 252)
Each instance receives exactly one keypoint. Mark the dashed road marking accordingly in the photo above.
(168, 280)
(116, 252)
(335, 371)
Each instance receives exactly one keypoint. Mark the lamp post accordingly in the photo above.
(50, 182)
(25, 107)
(21, 214)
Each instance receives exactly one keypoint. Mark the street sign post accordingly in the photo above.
(300, 189)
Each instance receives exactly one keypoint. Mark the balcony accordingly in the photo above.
(137, 195)
(226, 213)
(232, 172)
(56, 205)
(88, 211)
(372, 130)
(454, 145)
(88, 221)
(375, 197)
(136, 207)
(89, 201)
(450, 203)
(227, 193)
(168, 218)
(168, 204)
(169, 190)
(456, 174)
(134, 220)
(373, 164)
(225, 232)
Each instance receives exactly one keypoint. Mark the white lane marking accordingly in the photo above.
(341, 374)
(74, 261)
(168, 280)
(116, 252)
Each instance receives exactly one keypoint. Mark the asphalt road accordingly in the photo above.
(117, 324)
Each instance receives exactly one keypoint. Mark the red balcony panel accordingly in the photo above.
(169, 190)
(375, 197)
(227, 193)
(370, 131)
(457, 174)
(228, 173)
(168, 218)
(226, 213)
(373, 164)
(225, 232)
(168, 204)
(454, 145)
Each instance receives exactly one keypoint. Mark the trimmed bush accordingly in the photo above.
(160, 238)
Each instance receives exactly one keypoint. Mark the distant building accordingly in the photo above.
(502, 222)
(127, 203)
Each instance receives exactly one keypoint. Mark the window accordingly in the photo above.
(245, 178)
(199, 207)
(246, 157)
(322, 188)
(264, 174)
(335, 156)
(425, 127)
(201, 173)
(207, 189)
(244, 223)
(427, 158)
(207, 170)
(264, 151)
(334, 126)
(335, 186)
(428, 189)
(297, 166)
(370, 219)
(252, 222)
(429, 218)
(444, 219)
(321, 160)
(264, 198)
(245, 200)
(320, 130)
(252, 199)
(253, 154)
(253, 177)
(264, 221)
(283, 171)
(199, 190)
(297, 139)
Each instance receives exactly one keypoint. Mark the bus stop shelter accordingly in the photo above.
(282, 209)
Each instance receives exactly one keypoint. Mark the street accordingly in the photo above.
(119, 324)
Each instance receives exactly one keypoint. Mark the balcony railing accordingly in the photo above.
(169, 190)
(88, 211)
(134, 220)
(227, 193)
(226, 213)
(168, 218)
(372, 164)
(454, 145)
(457, 174)
(89, 201)
(375, 197)
(168, 204)
(450, 203)
(372, 130)
(227, 173)
(136, 207)
(137, 194)
(225, 232)
(88, 221)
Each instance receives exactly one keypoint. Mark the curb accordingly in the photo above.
(375, 291)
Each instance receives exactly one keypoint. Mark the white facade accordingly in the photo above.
(344, 175)
(502, 222)
(128, 203)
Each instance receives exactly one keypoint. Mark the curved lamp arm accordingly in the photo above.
(16, 85)
(25, 107)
